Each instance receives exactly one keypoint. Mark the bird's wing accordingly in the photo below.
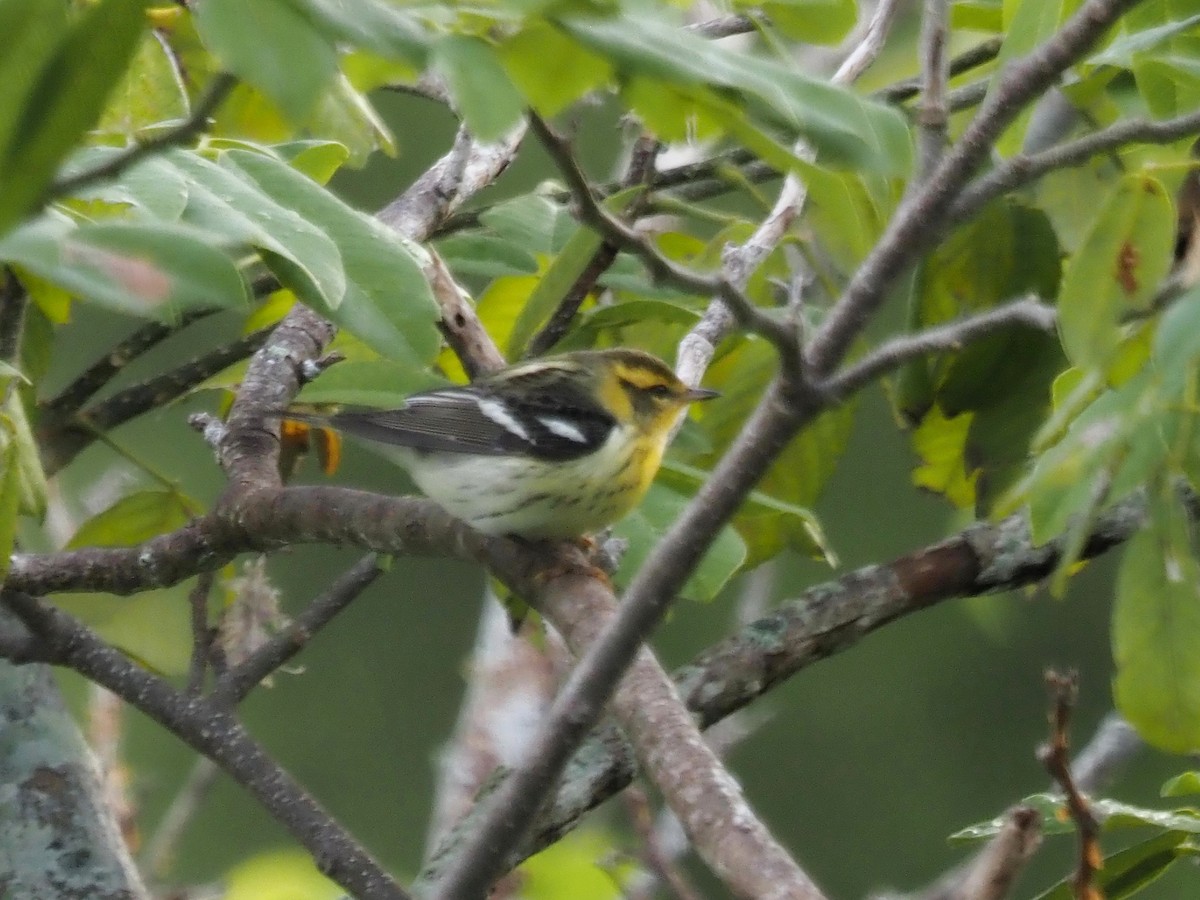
(555, 423)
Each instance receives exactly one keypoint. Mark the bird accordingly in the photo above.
(548, 449)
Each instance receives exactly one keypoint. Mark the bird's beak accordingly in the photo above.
(695, 394)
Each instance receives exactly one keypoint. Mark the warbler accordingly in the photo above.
(548, 449)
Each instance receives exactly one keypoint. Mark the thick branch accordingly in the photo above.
(213, 731)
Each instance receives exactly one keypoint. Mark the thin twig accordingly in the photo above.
(1111, 747)
(221, 86)
(745, 311)
(977, 56)
(933, 113)
(722, 27)
(890, 355)
(64, 438)
(923, 217)
(868, 49)
(1055, 756)
(201, 632)
(238, 681)
(654, 857)
(72, 398)
(13, 301)
(698, 346)
(991, 873)
(1023, 169)
(163, 843)
(639, 171)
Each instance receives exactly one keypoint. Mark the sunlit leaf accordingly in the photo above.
(154, 627)
(549, 68)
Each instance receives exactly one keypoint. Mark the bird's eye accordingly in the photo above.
(661, 391)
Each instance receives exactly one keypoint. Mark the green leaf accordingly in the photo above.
(293, 67)
(550, 69)
(1112, 814)
(530, 221)
(812, 21)
(345, 114)
(153, 627)
(31, 488)
(483, 95)
(767, 524)
(151, 93)
(1170, 85)
(383, 28)
(381, 384)
(1182, 785)
(1122, 51)
(388, 302)
(67, 99)
(1116, 270)
(1027, 24)
(941, 444)
(843, 127)
(482, 254)
(574, 867)
(288, 874)
(160, 193)
(1156, 630)
(228, 204)
(32, 31)
(646, 524)
(144, 270)
(609, 320)
(10, 496)
(977, 15)
(802, 470)
(1128, 871)
(133, 519)
(560, 276)
(319, 160)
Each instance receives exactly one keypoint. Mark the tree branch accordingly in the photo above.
(977, 56)
(924, 215)
(893, 353)
(593, 214)
(62, 438)
(239, 681)
(218, 89)
(214, 732)
(1025, 168)
(933, 112)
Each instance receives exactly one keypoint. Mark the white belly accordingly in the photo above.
(531, 498)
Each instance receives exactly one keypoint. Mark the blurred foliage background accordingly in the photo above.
(863, 764)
